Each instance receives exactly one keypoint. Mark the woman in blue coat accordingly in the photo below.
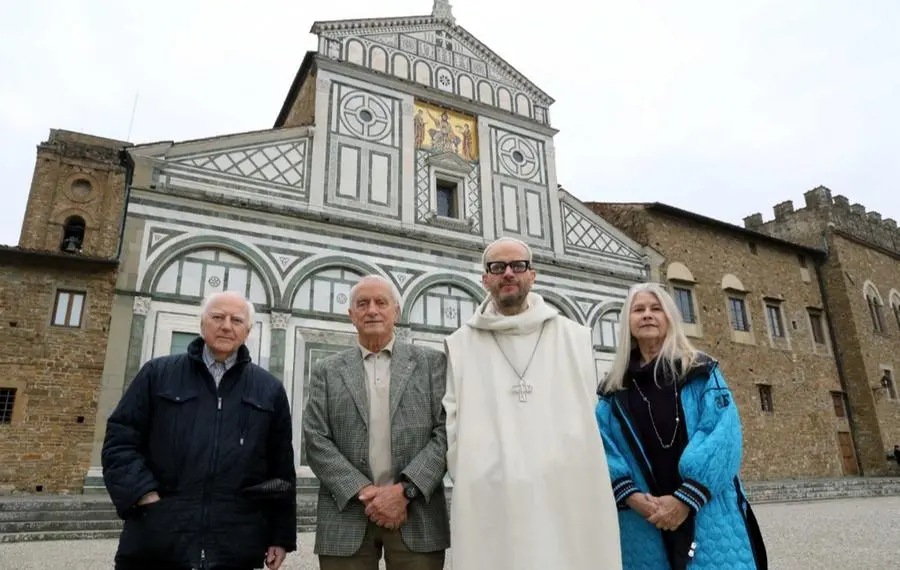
(673, 444)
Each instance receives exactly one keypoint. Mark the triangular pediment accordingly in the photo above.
(435, 40)
(450, 161)
(587, 233)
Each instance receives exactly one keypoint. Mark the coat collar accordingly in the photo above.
(354, 376)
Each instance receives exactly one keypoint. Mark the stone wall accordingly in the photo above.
(863, 248)
(799, 438)
(56, 371)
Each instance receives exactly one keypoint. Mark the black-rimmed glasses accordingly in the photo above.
(499, 267)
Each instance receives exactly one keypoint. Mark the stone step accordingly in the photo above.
(59, 535)
(73, 525)
(57, 515)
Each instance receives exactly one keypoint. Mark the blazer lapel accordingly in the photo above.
(402, 366)
(354, 377)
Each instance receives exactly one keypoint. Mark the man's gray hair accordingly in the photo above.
(394, 292)
(487, 250)
(251, 310)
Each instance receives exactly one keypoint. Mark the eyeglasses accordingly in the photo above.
(499, 267)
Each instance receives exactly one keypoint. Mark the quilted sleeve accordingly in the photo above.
(712, 457)
(619, 472)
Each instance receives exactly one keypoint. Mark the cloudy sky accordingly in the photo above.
(724, 107)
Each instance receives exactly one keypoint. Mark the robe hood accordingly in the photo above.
(487, 318)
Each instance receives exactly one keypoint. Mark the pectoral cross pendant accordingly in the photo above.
(522, 389)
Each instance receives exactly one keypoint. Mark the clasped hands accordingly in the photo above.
(665, 513)
(385, 505)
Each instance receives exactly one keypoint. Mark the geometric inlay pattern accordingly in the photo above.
(282, 163)
(159, 237)
(423, 186)
(366, 116)
(285, 261)
(518, 157)
(585, 234)
(473, 199)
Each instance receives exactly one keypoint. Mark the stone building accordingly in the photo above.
(404, 146)
(754, 303)
(56, 292)
(862, 290)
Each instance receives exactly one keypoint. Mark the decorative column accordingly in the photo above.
(278, 322)
(136, 339)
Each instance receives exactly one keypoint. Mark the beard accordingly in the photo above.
(510, 300)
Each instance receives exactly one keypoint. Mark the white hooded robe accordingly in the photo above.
(531, 488)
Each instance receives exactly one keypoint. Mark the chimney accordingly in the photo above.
(819, 197)
(783, 209)
(753, 222)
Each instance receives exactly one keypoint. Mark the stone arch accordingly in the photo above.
(730, 282)
(566, 307)
(523, 105)
(599, 332)
(66, 211)
(356, 52)
(417, 287)
(400, 66)
(677, 271)
(253, 258)
(504, 99)
(318, 263)
(465, 86)
(601, 309)
(378, 59)
(485, 92)
(894, 298)
(869, 287)
(422, 73)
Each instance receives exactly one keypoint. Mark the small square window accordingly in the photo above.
(7, 404)
(818, 326)
(68, 309)
(447, 192)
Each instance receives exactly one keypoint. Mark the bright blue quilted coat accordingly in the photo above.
(708, 466)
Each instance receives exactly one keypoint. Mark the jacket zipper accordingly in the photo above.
(209, 476)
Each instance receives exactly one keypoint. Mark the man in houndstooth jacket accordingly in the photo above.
(375, 437)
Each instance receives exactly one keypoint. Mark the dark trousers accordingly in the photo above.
(380, 541)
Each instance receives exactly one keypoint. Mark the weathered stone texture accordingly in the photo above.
(863, 247)
(303, 111)
(76, 175)
(800, 438)
(57, 372)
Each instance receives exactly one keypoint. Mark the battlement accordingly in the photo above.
(806, 224)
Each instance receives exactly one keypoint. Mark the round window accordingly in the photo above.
(365, 116)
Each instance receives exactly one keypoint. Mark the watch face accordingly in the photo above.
(410, 492)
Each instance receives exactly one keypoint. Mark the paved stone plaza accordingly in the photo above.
(851, 533)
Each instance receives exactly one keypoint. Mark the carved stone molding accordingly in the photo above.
(279, 321)
(141, 305)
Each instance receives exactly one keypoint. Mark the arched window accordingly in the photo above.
(73, 235)
(606, 331)
(895, 307)
(443, 306)
(201, 272)
(876, 308)
(327, 291)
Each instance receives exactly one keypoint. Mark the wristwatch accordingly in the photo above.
(410, 491)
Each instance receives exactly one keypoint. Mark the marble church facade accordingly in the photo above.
(403, 147)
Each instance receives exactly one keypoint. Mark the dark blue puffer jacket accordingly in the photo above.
(200, 448)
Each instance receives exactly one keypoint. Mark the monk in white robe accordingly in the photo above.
(531, 488)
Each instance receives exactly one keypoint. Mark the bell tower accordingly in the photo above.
(77, 198)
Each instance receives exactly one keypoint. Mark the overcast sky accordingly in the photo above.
(723, 107)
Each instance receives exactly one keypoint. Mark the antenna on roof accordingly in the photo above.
(442, 10)
(131, 122)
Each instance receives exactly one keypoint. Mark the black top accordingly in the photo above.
(661, 396)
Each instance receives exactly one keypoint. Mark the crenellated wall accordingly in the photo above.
(806, 225)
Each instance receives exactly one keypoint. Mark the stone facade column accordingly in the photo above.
(136, 339)
(278, 322)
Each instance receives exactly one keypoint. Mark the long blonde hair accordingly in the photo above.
(677, 355)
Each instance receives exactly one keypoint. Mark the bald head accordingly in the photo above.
(506, 243)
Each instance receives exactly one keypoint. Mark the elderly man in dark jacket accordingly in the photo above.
(198, 457)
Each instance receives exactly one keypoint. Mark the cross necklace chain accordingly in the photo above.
(521, 388)
(650, 413)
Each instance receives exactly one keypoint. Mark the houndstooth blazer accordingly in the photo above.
(335, 433)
